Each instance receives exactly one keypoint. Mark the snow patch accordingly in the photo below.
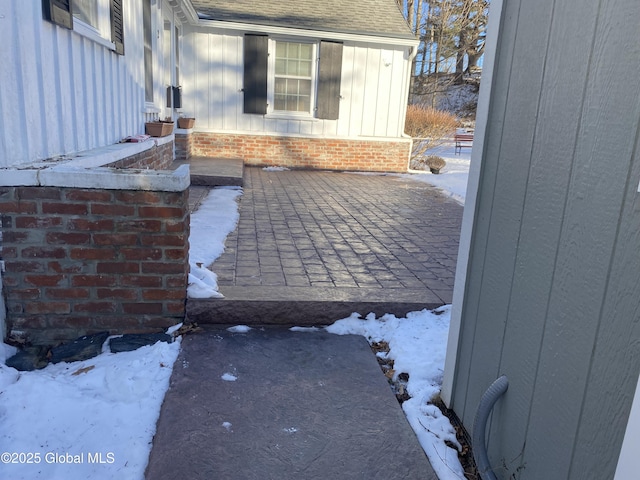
(239, 329)
(305, 329)
(210, 224)
(275, 169)
(203, 283)
(174, 329)
(452, 179)
(417, 346)
(111, 408)
(229, 377)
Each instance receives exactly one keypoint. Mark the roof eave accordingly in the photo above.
(389, 39)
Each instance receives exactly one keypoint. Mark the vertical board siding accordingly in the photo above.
(464, 400)
(64, 93)
(542, 218)
(609, 124)
(373, 96)
(551, 298)
(397, 109)
(502, 204)
(370, 92)
(591, 215)
(385, 79)
(8, 100)
(346, 88)
(235, 63)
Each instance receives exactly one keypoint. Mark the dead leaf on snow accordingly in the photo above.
(83, 370)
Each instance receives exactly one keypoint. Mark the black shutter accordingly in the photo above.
(58, 12)
(117, 26)
(255, 73)
(329, 74)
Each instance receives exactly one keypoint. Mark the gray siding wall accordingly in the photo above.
(553, 282)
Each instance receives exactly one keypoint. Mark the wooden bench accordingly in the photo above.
(463, 140)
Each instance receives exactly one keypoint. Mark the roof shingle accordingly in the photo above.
(363, 17)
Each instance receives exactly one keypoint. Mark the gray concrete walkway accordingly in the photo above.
(275, 404)
(335, 243)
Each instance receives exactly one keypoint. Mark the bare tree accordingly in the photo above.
(471, 20)
(451, 34)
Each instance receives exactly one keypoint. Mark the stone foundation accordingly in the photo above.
(298, 152)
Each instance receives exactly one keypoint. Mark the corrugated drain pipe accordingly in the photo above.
(488, 400)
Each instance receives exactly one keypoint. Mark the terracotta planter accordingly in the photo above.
(158, 129)
(186, 122)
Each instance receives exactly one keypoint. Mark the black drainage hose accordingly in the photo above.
(488, 400)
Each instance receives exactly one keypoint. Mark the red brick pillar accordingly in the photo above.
(85, 260)
(184, 146)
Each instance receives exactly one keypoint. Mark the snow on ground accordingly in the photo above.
(275, 169)
(216, 218)
(239, 329)
(452, 179)
(417, 346)
(90, 419)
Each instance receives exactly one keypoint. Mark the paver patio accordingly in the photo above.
(384, 242)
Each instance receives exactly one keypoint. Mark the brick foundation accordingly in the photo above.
(297, 152)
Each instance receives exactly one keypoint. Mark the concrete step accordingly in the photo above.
(215, 172)
(300, 406)
(304, 306)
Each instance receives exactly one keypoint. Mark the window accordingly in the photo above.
(148, 51)
(293, 77)
(94, 14)
(99, 20)
(86, 11)
(282, 77)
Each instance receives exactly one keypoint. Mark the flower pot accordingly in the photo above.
(184, 122)
(435, 171)
(159, 129)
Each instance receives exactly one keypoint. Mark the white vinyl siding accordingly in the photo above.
(63, 92)
(373, 91)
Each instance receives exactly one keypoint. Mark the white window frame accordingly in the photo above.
(102, 32)
(173, 67)
(150, 105)
(271, 76)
